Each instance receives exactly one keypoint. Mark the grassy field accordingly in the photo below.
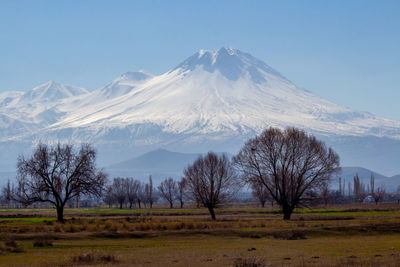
(347, 235)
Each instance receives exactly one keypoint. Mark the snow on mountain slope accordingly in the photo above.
(25, 113)
(224, 92)
(214, 100)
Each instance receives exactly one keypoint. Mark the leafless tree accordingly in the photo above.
(211, 180)
(291, 164)
(180, 194)
(259, 192)
(119, 191)
(141, 195)
(108, 196)
(379, 194)
(7, 194)
(55, 174)
(325, 193)
(151, 196)
(131, 187)
(372, 183)
(168, 189)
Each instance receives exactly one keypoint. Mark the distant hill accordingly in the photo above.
(391, 183)
(162, 163)
(159, 163)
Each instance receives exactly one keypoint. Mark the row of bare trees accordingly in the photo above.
(134, 193)
(358, 191)
(289, 166)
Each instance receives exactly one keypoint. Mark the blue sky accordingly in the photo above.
(346, 51)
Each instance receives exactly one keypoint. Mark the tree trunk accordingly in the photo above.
(171, 205)
(60, 214)
(120, 205)
(181, 204)
(212, 213)
(262, 204)
(287, 212)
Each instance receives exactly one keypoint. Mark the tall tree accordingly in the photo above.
(119, 191)
(131, 188)
(259, 192)
(150, 194)
(211, 180)
(168, 189)
(108, 196)
(180, 195)
(56, 174)
(291, 164)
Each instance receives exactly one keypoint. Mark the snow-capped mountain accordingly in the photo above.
(214, 100)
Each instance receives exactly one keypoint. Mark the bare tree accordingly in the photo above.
(379, 194)
(325, 193)
(119, 191)
(211, 180)
(141, 195)
(291, 164)
(259, 192)
(151, 196)
(108, 197)
(180, 194)
(372, 183)
(131, 186)
(168, 190)
(56, 174)
(7, 194)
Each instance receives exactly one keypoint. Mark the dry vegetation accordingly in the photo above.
(348, 235)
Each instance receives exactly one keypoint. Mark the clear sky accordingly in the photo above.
(346, 51)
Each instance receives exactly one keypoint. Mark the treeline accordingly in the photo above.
(288, 167)
(131, 193)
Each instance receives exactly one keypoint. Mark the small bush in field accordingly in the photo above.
(111, 226)
(70, 228)
(39, 228)
(12, 246)
(23, 229)
(249, 262)
(57, 227)
(42, 243)
(91, 257)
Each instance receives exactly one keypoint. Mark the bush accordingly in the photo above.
(249, 262)
(91, 257)
(42, 243)
(111, 226)
(57, 227)
(12, 246)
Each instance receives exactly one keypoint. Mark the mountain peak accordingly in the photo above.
(136, 76)
(231, 63)
(51, 91)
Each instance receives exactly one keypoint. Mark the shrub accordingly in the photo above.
(249, 262)
(111, 226)
(70, 228)
(42, 243)
(91, 257)
(12, 246)
(57, 227)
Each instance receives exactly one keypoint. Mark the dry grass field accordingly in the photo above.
(342, 235)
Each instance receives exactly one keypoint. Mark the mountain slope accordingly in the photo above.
(214, 100)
